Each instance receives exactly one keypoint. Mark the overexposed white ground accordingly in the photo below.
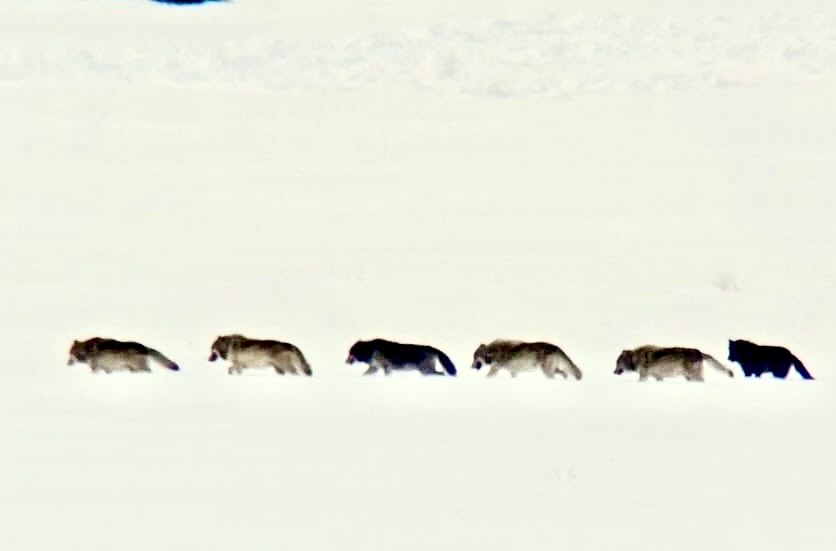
(598, 174)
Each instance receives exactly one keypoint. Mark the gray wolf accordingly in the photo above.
(663, 362)
(109, 355)
(245, 353)
(516, 356)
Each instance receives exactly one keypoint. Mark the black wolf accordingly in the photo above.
(390, 356)
(755, 359)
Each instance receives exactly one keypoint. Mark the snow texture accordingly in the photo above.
(539, 56)
(596, 174)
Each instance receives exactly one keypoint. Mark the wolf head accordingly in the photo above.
(80, 351)
(481, 357)
(220, 348)
(734, 350)
(77, 353)
(360, 351)
(625, 362)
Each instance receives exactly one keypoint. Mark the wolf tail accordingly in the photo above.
(573, 368)
(306, 367)
(800, 368)
(163, 360)
(717, 365)
(445, 361)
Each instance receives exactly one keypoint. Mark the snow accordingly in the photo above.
(596, 174)
(539, 55)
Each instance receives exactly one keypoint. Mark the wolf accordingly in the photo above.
(391, 356)
(516, 356)
(663, 362)
(244, 353)
(755, 359)
(111, 355)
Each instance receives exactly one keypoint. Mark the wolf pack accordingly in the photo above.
(380, 355)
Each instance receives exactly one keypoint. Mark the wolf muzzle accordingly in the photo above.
(351, 359)
(213, 356)
(618, 371)
(477, 365)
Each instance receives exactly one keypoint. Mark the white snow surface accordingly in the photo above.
(596, 174)
(525, 53)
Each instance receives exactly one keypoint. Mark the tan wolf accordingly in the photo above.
(517, 356)
(663, 362)
(109, 355)
(244, 353)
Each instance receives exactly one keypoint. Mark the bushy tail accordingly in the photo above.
(306, 367)
(163, 360)
(573, 368)
(801, 369)
(717, 365)
(445, 361)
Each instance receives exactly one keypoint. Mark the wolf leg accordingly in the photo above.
(493, 370)
(278, 368)
(430, 371)
(378, 362)
(696, 376)
(288, 365)
(105, 366)
(547, 368)
(427, 367)
(138, 365)
(555, 368)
